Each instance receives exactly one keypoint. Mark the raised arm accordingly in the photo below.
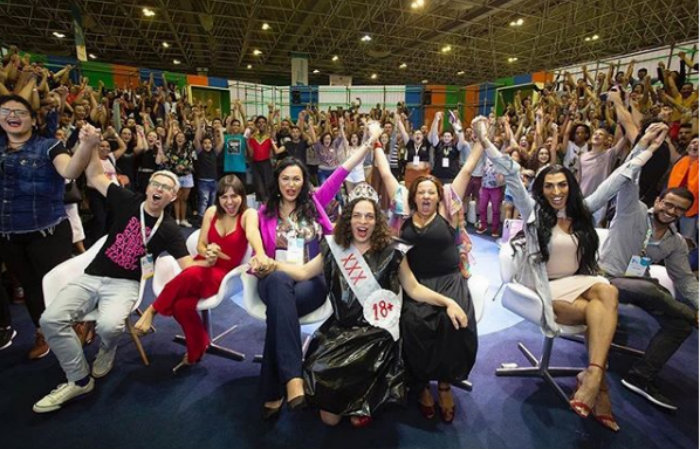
(433, 137)
(504, 165)
(71, 167)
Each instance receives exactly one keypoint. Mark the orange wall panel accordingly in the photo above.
(125, 75)
(542, 77)
(197, 80)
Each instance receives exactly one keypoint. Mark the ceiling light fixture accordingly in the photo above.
(316, 71)
(461, 72)
(512, 59)
(59, 35)
(417, 4)
(374, 76)
(265, 26)
(249, 67)
(176, 61)
(166, 45)
(424, 81)
(92, 56)
(366, 38)
(446, 48)
(148, 12)
(517, 23)
(257, 52)
(403, 65)
(334, 58)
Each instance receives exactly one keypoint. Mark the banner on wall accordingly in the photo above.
(300, 70)
(340, 80)
(80, 49)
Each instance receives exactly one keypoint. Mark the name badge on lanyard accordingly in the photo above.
(639, 265)
(445, 162)
(416, 160)
(295, 249)
(147, 260)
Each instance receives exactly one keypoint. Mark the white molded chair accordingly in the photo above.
(166, 268)
(525, 302)
(256, 308)
(61, 274)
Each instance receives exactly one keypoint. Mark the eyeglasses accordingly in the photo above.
(162, 186)
(22, 113)
(286, 180)
(670, 206)
(359, 216)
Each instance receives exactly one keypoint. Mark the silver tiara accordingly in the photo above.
(364, 190)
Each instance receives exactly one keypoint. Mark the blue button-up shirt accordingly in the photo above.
(31, 190)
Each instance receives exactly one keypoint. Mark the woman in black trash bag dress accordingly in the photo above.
(354, 367)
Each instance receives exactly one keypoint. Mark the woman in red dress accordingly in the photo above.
(223, 240)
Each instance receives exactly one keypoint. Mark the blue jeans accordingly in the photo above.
(206, 188)
(286, 301)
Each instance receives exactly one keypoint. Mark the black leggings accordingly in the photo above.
(30, 256)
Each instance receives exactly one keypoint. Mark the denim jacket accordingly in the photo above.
(31, 190)
(534, 274)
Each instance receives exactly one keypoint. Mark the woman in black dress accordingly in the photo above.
(354, 366)
(433, 349)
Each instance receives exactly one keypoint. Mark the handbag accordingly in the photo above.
(72, 193)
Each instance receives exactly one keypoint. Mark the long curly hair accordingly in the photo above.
(305, 208)
(381, 236)
(581, 219)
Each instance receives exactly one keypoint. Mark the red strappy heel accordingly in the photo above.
(606, 420)
(579, 407)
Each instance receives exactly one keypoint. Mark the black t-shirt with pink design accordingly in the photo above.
(120, 257)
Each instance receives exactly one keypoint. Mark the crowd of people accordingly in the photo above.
(334, 186)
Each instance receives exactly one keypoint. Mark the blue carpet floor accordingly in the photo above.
(215, 404)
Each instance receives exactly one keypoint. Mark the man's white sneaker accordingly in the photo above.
(103, 363)
(62, 394)
(185, 224)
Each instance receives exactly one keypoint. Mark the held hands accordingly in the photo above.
(261, 265)
(480, 126)
(89, 135)
(457, 315)
(654, 136)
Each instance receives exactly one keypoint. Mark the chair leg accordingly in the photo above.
(614, 346)
(464, 384)
(214, 348)
(540, 368)
(137, 342)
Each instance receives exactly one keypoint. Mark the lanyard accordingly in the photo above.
(647, 238)
(153, 230)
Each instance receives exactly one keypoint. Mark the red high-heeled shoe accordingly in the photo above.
(581, 408)
(360, 421)
(606, 420)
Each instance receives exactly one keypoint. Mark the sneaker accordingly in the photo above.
(40, 349)
(481, 229)
(6, 336)
(62, 394)
(185, 224)
(495, 234)
(648, 390)
(103, 363)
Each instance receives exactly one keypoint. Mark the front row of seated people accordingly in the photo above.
(298, 267)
